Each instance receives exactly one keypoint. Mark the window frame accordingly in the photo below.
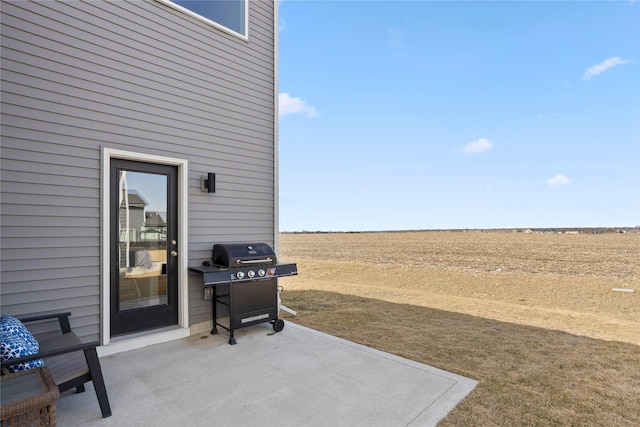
(215, 24)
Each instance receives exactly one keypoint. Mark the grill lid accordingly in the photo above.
(243, 254)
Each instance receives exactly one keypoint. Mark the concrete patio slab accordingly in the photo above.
(298, 377)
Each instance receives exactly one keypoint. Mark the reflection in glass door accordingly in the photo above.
(143, 242)
(144, 245)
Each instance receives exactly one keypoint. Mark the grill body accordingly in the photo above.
(254, 302)
(244, 278)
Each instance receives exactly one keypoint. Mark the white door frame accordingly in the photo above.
(137, 340)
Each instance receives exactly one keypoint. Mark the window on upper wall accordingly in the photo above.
(230, 15)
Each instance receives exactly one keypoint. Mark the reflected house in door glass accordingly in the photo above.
(155, 226)
(132, 222)
(141, 225)
(143, 234)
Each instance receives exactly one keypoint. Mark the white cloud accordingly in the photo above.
(557, 180)
(478, 146)
(604, 66)
(288, 105)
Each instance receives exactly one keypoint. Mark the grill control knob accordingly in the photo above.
(261, 273)
(240, 275)
(251, 273)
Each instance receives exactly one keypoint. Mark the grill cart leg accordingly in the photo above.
(214, 331)
(232, 340)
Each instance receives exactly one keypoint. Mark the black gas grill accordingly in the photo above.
(244, 278)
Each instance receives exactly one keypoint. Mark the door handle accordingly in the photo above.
(174, 253)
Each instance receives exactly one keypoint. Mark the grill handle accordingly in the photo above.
(254, 261)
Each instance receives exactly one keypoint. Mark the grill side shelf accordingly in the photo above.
(213, 275)
(288, 269)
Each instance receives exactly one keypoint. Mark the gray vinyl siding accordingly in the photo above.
(137, 76)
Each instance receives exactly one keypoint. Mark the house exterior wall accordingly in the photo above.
(138, 76)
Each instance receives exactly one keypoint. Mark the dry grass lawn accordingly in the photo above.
(532, 317)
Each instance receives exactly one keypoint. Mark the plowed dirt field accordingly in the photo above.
(584, 284)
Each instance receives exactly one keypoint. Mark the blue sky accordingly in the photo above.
(433, 115)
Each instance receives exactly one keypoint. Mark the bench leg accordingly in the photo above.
(98, 381)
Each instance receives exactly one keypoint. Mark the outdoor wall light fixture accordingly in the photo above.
(208, 183)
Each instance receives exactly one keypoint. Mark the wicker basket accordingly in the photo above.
(37, 408)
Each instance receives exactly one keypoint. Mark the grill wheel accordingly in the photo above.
(278, 325)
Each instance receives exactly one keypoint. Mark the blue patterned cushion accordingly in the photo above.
(16, 341)
(13, 326)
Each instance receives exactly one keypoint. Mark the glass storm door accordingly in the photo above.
(144, 227)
